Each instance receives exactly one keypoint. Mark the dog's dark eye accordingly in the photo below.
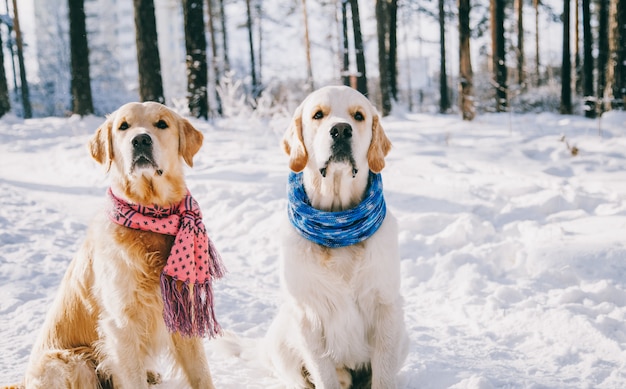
(318, 115)
(161, 124)
(124, 126)
(359, 117)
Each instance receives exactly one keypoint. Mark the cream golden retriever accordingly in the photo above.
(106, 324)
(341, 323)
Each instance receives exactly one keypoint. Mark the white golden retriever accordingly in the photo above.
(341, 323)
(106, 324)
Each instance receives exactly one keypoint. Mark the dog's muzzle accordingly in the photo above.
(341, 147)
(142, 152)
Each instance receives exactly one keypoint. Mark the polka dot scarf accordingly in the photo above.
(192, 264)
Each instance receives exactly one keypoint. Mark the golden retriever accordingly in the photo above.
(342, 321)
(106, 326)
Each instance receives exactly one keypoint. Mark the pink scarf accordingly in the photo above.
(192, 264)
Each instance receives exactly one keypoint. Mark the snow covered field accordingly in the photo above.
(513, 250)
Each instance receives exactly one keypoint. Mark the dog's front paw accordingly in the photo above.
(345, 378)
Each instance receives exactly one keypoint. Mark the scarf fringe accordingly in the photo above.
(189, 315)
(217, 269)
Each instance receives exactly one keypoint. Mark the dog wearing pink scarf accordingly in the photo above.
(141, 283)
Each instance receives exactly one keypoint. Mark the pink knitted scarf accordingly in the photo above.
(192, 264)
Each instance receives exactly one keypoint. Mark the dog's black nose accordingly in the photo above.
(142, 142)
(341, 131)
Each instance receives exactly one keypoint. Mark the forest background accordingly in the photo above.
(384, 51)
(511, 225)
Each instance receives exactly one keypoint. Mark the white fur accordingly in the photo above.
(342, 308)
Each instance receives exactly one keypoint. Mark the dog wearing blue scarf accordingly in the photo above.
(341, 324)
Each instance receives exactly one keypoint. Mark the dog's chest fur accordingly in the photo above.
(343, 300)
(130, 262)
(344, 262)
(146, 251)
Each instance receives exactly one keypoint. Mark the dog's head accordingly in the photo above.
(143, 146)
(336, 128)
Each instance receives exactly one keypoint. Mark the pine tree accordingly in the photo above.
(603, 49)
(382, 27)
(224, 36)
(620, 48)
(82, 103)
(5, 105)
(444, 100)
(590, 108)
(392, 66)
(259, 19)
(307, 45)
(20, 58)
(361, 82)
(578, 67)
(566, 66)
(148, 60)
(520, 42)
(215, 62)
(253, 74)
(466, 100)
(616, 77)
(345, 70)
(195, 45)
(537, 62)
(498, 53)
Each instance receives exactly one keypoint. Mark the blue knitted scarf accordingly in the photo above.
(336, 229)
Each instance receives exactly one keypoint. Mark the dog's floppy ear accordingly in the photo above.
(379, 147)
(293, 143)
(189, 140)
(101, 144)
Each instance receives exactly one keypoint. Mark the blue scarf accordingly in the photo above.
(336, 229)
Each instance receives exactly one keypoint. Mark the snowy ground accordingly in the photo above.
(513, 250)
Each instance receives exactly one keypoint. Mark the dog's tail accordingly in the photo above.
(233, 345)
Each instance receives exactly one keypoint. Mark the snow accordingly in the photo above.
(512, 249)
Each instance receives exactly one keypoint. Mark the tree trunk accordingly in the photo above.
(195, 45)
(466, 99)
(537, 62)
(148, 60)
(224, 37)
(406, 21)
(520, 43)
(28, 112)
(12, 52)
(444, 100)
(361, 82)
(590, 108)
(255, 86)
(259, 18)
(307, 45)
(578, 69)
(382, 29)
(82, 103)
(214, 56)
(345, 71)
(498, 53)
(5, 102)
(616, 80)
(393, 48)
(566, 67)
(603, 50)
